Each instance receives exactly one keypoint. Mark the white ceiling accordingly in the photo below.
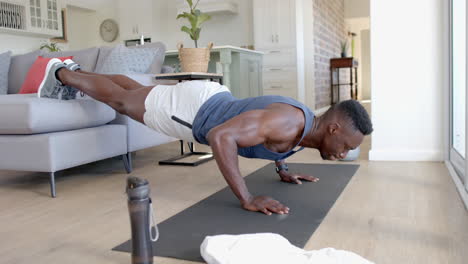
(357, 8)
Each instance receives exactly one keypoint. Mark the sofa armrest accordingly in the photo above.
(140, 136)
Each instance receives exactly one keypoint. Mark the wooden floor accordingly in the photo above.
(391, 212)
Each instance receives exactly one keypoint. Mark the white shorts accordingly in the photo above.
(181, 101)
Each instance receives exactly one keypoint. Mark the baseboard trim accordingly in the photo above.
(458, 183)
(406, 155)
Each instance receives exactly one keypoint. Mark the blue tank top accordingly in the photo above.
(223, 106)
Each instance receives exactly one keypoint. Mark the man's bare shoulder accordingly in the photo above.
(285, 107)
(290, 113)
(285, 120)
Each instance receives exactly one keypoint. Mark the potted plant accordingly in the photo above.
(194, 59)
(51, 47)
(344, 48)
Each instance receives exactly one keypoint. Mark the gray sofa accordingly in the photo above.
(48, 135)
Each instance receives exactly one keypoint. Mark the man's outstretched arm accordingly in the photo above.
(287, 176)
(245, 130)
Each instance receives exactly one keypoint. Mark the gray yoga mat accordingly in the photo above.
(220, 213)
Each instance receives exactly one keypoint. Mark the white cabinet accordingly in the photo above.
(41, 18)
(274, 23)
(264, 36)
(135, 18)
(286, 23)
(275, 35)
(45, 17)
(280, 81)
(279, 57)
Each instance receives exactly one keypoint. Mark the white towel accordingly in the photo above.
(269, 249)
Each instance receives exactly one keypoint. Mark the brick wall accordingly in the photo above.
(329, 31)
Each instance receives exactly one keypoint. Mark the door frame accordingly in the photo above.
(455, 163)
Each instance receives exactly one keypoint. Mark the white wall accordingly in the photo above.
(19, 44)
(408, 65)
(222, 29)
(365, 66)
(83, 20)
(83, 24)
(85, 16)
(80, 28)
(305, 58)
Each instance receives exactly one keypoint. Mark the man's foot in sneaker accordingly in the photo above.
(71, 91)
(71, 65)
(50, 86)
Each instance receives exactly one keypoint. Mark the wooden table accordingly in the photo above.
(337, 64)
(190, 76)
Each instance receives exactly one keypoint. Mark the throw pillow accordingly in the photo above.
(36, 74)
(104, 52)
(5, 59)
(123, 60)
(160, 48)
(19, 67)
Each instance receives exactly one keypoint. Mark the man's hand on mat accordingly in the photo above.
(266, 205)
(296, 178)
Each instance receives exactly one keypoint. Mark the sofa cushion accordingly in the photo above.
(19, 67)
(158, 53)
(86, 58)
(36, 74)
(5, 59)
(123, 60)
(156, 65)
(26, 114)
(104, 52)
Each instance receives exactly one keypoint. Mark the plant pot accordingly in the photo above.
(194, 59)
(344, 55)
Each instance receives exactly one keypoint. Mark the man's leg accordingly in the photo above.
(128, 102)
(119, 79)
(128, 83)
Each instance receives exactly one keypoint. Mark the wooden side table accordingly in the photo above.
(337, 64)
(204, 156)
(190, 76)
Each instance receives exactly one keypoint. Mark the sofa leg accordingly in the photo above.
(127, 160)
(52, 184)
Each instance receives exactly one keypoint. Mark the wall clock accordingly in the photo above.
(109, 30)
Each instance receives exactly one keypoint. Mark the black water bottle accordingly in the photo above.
(139, 203)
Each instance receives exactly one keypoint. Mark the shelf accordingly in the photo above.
(219, 48)
(21, 32)
(212, 7)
